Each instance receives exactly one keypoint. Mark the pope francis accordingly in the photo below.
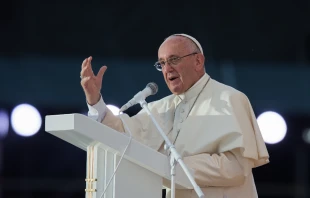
(212, 125)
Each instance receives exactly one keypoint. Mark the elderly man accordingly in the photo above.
(212, 125)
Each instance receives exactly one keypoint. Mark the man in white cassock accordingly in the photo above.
(212, 125)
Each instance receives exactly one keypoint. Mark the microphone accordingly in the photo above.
(150, 89)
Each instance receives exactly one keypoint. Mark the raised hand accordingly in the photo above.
(91, 83)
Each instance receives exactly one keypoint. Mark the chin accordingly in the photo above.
(176, 90)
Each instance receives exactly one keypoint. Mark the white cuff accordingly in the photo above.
(98, 110)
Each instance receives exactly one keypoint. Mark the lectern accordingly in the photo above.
(141, 173)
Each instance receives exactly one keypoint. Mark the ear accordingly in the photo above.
(200, 60)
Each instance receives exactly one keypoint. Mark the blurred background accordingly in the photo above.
(260, 47)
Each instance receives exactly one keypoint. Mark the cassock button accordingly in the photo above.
(181, 120)
(182, 110)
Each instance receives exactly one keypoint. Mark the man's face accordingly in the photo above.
(182, 75)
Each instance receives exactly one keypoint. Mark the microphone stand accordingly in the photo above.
(174, 158)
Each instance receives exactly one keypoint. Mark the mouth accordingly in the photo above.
(173, 78)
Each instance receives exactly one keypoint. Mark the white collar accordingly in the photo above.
(195, 89)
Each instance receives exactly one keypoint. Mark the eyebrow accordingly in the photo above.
(173, 55)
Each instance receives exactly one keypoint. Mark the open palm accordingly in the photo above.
(90, 82)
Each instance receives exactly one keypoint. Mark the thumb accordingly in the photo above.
(102, 71)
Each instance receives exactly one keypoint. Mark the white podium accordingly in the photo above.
(143, 172)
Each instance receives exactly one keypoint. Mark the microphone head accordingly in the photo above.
(153, 86)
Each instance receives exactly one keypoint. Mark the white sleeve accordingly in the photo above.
(98, 110)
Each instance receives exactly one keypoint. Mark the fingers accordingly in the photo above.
(102, 71)
(85, 82)
(86, 68)
(89, 59)
(84, 63)
(86, 72)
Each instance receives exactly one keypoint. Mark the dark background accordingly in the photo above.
(259, 47)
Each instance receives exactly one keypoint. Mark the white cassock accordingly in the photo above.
(213, 128)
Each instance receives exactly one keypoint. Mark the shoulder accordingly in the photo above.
(166, 101)
(158, 106)
(226, 92)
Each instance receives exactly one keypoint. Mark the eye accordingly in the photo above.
(162, 63)
(174, 60)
